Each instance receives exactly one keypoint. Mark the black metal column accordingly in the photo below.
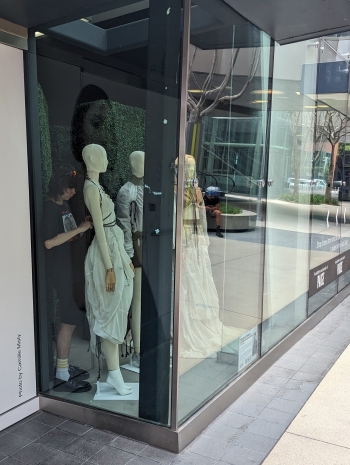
(162, 135)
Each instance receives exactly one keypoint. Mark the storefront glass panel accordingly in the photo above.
(288, 194)
(223, 218)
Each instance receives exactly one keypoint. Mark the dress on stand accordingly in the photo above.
(107, 312)
(201, 328)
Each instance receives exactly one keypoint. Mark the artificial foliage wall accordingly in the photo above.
(119, 128)
(45, 142)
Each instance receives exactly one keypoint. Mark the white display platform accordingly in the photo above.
(106, 392)
(130, 367)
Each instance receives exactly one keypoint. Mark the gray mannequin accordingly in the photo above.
(129, 218)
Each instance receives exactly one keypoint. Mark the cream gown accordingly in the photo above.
(107, 312)
(201, 328)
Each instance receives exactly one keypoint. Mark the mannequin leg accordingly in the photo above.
(115, 377)
(135, 320)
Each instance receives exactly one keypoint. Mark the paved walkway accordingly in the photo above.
(320, 434)
(244, 434)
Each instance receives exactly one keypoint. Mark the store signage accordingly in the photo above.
(248, 348)
(328, 272)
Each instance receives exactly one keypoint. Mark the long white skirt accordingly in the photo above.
(107, 312)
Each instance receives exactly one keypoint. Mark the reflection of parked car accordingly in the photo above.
(303, 183)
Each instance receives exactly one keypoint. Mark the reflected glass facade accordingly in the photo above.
(190, 196)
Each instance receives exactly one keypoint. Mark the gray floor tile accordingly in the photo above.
(256, 442)
(266, 428)
(100, 436)
(336, 343)
(138, 460)
(222, 432)
(303, 352)
(2, 457)
(282, 372)
(129, 445)
(289, 364)
(240, 456)
(111, 456)
(49, 419)
(308, 377)
(301, 385)
(34, 454)
(247, 409)
(235, 420)
(74, 427)
(295, 358)
(84, 448)
(329, 351)
(10, 443)
(314, 369)
(209, 447)
(273, 380)
(284, 405)
(191, 458)
(277, 416)
(256, 398)
(57, 439)
(11, 461)
(31, 430)
(61, 458)
(158, 455)
(293, 394)
(263, 388)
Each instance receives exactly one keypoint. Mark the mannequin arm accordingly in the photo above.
(124, 220)
(92, 201)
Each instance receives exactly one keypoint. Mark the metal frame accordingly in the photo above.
(179, 211)
(176, 441)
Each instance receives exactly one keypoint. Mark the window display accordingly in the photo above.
(101, 318)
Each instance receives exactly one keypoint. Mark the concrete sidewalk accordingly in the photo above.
(265, 418)
(320, 434)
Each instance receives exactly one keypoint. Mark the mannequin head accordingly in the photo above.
(137, 162)
(95, 158)
(190, 167)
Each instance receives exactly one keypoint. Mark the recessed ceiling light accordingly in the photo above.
(259, 101)
(322, 106)
(267, 91)
(195, 91)
(38, 34)
(287, 98)
(298, 93)
(310, 106)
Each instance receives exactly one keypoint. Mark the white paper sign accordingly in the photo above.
(248, 348)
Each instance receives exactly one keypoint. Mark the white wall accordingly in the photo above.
(17, 354)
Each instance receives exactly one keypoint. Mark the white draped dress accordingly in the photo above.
(201, 328)
(107, 312)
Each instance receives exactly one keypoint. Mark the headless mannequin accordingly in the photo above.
(95, 158)
(137, 161)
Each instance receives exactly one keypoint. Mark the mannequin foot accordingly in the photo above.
(135, 359)
(115, 379)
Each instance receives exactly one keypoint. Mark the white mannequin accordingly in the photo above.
(95, 158)
(125, 197)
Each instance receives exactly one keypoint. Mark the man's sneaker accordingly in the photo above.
(218, 233)
(72, 385)
(76, 372)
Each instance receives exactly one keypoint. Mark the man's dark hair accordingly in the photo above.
(62, 178)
